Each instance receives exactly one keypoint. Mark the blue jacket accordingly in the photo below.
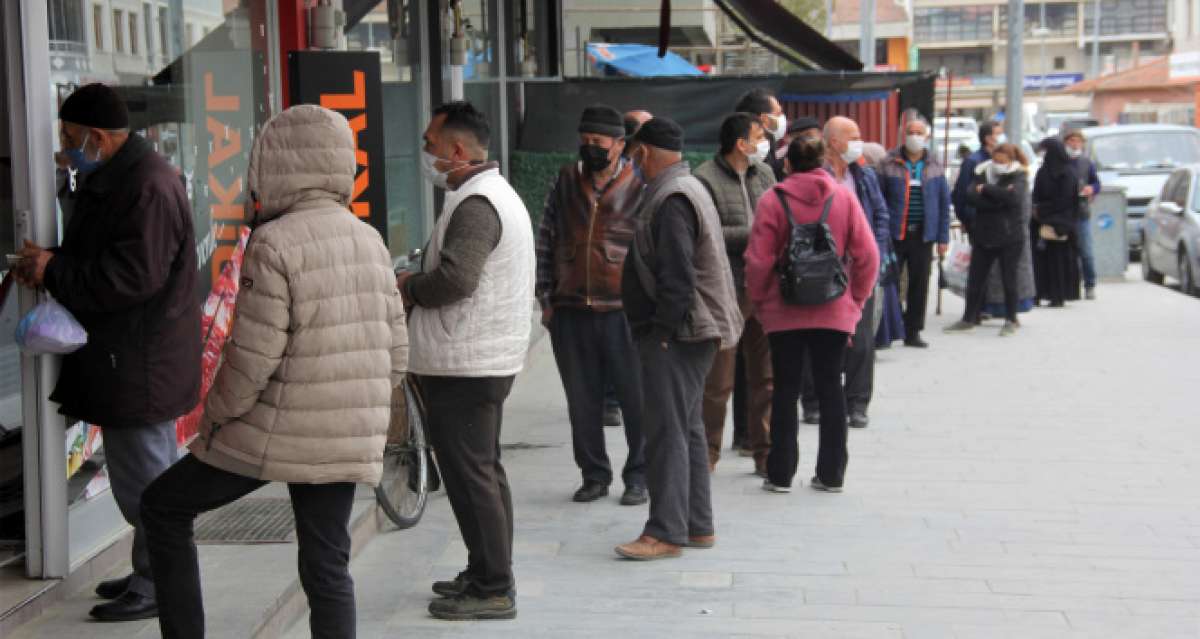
(966, 176)
(866, 186)
(934, 188)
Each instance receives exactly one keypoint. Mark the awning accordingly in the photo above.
(785, 35)
(638, 60)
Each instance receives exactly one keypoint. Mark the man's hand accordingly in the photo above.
(1087, 191)
(547, 316)
(31, 270)
(943, 249)
(401, 278)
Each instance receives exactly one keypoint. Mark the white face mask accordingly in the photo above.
(1074, 153)
(761, 150)
(1001, 139)
(854, 150)
(429, 168)
(780, 128)
(915, 143)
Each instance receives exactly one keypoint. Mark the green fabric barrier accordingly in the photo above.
(532, 175)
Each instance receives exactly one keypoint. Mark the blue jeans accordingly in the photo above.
(1087, 257)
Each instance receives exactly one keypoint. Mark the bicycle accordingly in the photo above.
(409, 471)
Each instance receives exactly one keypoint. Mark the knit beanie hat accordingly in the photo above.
(95, 106)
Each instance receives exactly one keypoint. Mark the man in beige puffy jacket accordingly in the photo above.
(303, 394)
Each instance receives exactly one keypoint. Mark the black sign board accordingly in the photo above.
(349, 82)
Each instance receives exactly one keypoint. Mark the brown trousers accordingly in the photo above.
(756, 351)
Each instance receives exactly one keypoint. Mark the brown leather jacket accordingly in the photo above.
(591, 237)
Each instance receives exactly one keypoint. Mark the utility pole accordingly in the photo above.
(866, 42)
(1096, 41)
(1043, 31)
(1015, 89)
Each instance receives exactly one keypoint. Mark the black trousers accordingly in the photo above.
(982, 258)
(827, 349)
(859, 366)
(190, 487)
(594, 351)
(676, 445)
(465, 414)
(917, 254)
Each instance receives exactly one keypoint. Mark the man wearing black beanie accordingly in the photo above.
(678, 293)
(127, 271)
(582, 241)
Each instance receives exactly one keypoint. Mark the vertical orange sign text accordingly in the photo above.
(227, 210)
(354, 107)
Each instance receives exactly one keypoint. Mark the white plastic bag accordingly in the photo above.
(50, 329)
(958, 267)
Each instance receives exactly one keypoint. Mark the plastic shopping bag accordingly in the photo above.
(50, 329)
(958, 268)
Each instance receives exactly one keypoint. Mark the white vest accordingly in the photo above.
(486, 334)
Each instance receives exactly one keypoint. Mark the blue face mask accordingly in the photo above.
(79, 161)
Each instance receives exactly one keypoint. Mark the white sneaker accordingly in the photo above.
(772, 488)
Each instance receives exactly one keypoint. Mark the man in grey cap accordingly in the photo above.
(584, 235)
(126, 270)
(678, 292)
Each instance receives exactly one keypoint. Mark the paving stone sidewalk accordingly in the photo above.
(1043, 485)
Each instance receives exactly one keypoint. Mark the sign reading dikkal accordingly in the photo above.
(348, 82)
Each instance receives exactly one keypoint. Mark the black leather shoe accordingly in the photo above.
(612, 416)
(858, 418)
(128, 607)
(634, 496)
(915, 341)
(113, 588)
(591, 491)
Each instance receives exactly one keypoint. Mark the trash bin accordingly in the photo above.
(1110, 241)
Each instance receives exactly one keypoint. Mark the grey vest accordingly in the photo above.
(714, 313)
(735, 197)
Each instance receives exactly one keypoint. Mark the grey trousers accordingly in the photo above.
(136, 456)
(676, 446)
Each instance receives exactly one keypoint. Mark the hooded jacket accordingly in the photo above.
(806, 193)
(1056, 189)
(999, 206)
(319, 339)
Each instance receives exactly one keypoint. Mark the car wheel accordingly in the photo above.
(1187, 281)
(1148, 272)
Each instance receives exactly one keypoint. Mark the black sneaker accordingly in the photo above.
(471, 607)
(915, 341)
(634, 496)
(128, 607)
(452, 588)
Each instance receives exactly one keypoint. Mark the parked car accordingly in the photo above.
(1171, 232)
(1140, 158)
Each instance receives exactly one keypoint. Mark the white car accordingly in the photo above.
(1140, 157)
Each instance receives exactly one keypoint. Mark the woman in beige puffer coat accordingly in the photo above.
(303, 394)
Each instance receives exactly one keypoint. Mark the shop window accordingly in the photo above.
(1124, 17)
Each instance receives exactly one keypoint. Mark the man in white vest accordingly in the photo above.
(469, 329)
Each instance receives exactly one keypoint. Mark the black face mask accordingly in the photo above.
(595, 159)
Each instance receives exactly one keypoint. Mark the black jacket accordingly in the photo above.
(1056, 189)
(127, 270)
(999, 209)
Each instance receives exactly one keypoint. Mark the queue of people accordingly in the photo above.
(653, 282)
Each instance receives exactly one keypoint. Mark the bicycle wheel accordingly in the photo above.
(404, 488)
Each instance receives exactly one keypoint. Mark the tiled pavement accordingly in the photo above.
(1044, 485)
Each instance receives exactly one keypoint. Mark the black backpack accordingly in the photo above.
(810, 271)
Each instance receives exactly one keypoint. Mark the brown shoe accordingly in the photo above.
(647, 548)
(701, 541)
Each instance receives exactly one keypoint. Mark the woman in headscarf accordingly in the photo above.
(1055, 215)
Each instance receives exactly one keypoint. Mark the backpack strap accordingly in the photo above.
(825, 212)
(786, 209)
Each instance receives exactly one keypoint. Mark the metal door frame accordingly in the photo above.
(26, 40)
